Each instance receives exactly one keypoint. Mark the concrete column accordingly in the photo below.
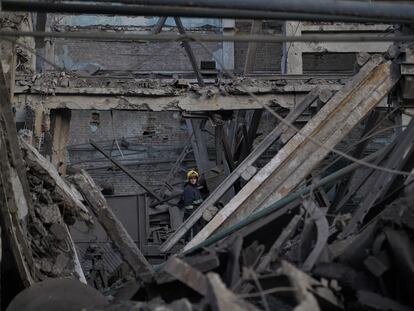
(228, 47)
(292, 54)
(61, 126)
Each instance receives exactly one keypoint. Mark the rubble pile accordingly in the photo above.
(368, 271)
(309, 251)
(291, 237)
(50, 212)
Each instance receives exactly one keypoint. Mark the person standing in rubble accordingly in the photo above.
(191, 197)
(190, 200)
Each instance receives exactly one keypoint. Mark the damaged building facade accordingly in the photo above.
(298, 122)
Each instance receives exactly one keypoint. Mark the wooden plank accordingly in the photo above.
(112, 226)
(299, 156)
(186, 274)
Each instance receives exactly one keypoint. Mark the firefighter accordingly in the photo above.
(191, 196)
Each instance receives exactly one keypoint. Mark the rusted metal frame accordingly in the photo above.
(299, 156)
(252, 47)
(322, 228)
(274, 250)
(158, 26)
(126, 171)
(235, 175)
(345, 184)
(382, 180)
(189, 52)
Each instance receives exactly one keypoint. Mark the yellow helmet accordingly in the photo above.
(192, 173)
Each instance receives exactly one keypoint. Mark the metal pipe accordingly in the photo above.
(126, 171)
(387, 10)
(152, 10)
(165, 37)
(281, 203)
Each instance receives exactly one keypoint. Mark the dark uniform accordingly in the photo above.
(191, 199)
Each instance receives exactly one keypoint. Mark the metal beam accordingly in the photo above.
(300, 156)
(158, 26)
(189, 52)
(126, 171)
(235, 175)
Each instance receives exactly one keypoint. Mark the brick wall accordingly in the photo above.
(128, 56)
(268, 55)
(149, 141)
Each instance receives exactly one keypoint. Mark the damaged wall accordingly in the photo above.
(150, 142)
(91, 56)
